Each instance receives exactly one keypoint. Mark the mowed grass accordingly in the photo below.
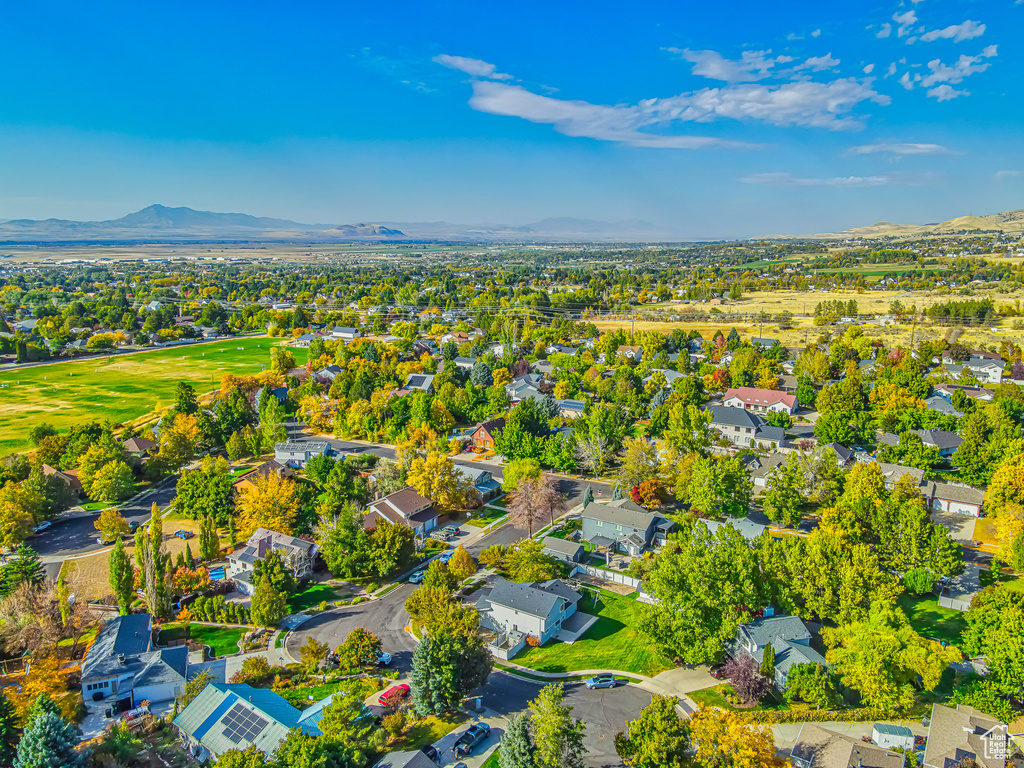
(312, 595)
(223, 641)
(120, 387)
(612, 642)
(931, 620)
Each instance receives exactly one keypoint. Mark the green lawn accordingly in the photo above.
(302, 696)
(484, 516)
(988, 578)
(429, 730)
(310, 596)
(223, 641)
(121, 387)
(931, 620)
(491, 761)
(613, 642)
(715, 697)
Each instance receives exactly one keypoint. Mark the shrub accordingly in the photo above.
(533, 642)
(858, 715)
(394, 723)
(919, 581)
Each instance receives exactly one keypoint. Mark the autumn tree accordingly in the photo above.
(461, 563)
(270, 502)
(360, 649)
(313, 653)
(658, 738)
(723, 740)
(437, 478)
(111, 525)
(525, 561)
(783, 497)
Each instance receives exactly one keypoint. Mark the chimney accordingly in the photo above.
(120, 658)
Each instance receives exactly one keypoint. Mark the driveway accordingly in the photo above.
(687, 680)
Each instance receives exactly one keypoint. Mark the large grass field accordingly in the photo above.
(120, 387)
(612, 642)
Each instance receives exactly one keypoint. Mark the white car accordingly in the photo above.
(417, 577)
(383, 659)
(43, 526)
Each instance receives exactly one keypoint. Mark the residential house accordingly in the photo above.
(893, 473)
(305, 339)
(668, 373)
(843, 454)
(327, 375)
(942, 405)
(745, 429)
(954, 497)
(764, 343)
(561, 349)
(788, 635)
(296, 554)
(760, 467)
(345, 333)
(747, 528)
(818, 747)
(420, 381)
(139, 447)
(525, 387)
(624, 526)
(761, 400)
(483, 482)
(483, 436)
(570, 409)
(788, 383)
(123, 666)
(455, 337)
(635, 354)
(296, 454)
(512, 612)
(465, 363)
(984, 369)
(411, 758)
(975, 393)
(957, 592)
(404, 507)
(235, 717)
(956, 733)
(946, 442)
(567, 551)
(67, 476)
(267, 468)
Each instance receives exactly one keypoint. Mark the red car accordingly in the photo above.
(393, 695)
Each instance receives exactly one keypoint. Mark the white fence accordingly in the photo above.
(603, 573)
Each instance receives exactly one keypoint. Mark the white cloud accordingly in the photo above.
(473, 67)
(905, 81)
(905, 21)
(957, 32)
(900, 149)
(750, 67)
(818, 63)
(869, 69)
(892, 70)
(804, 103)
(946, 92)
(885, 31)
(795, 36)
(1003, 175)
(789, 180)
(963, 67)
(816, 33)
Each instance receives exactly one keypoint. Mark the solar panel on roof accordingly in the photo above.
(242, 723)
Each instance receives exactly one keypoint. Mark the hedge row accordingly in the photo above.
(859, 715)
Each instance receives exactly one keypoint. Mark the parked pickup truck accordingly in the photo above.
(469, 740)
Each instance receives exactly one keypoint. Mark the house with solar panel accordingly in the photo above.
(296, 554)
(225, 717)
(123, 667)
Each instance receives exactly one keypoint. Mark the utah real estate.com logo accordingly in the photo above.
(997, 743)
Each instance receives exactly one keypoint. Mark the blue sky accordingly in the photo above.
(710, 119)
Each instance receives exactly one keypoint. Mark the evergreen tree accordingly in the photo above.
(232, 536)
(588, 496)
(25, 567)
(189, 560)
(40, 706)
(122, 578)
(269, 605)
(49, 742)
(768, 663)
(8, 731)
(516, 750)
(558, 738)
(445, 669)
(209, 539)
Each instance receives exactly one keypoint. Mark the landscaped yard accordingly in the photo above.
(429, 730)
(613, 642)
(716, 697)
(223, 641)
(301, 696)
(484, 516)
(988, 578)
(931, 620)
(310, 596)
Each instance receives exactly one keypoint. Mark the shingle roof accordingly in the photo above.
(138, 444)
(822, 748)
(168, 665)
(764, 397)
(762, 631)
(622, 512)
(748, 529)
(734, 417)
(940, 438)
(408, 759)
(562, 546)
(960, 732)
(524, 597)
(129, 635)
(955, 492)
(895, 472)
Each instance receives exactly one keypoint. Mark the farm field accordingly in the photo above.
(120, 387)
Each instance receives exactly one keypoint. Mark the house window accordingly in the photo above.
(599, 523)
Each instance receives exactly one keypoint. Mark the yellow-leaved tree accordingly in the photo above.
(271, 502)
(437, 479)
(1004, 500)
(723, 740)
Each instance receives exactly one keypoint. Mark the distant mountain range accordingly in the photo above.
(1011, 222)
(160, 223)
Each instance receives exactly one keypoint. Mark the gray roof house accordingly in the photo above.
(942, 405)
(328, 373)
(745, 429)
(788, 635)
(512, 612)
(225, 717)
(624, 526)
(404, 507)
(297, 554)
(421, 381)
(296, 454)
(122, 664)
(818, 747)
(954, 497)
(747, 528)
(347, 334)
(945, 442)
(414, 758)
(895, 472)
(563, 549)
(481, 479)
(760, 467)
(965, 732)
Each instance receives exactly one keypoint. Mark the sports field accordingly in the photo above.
(121, 387)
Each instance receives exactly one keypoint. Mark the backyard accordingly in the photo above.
(931, 620)
(120, 387)
(612, 642)
(223, 641)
